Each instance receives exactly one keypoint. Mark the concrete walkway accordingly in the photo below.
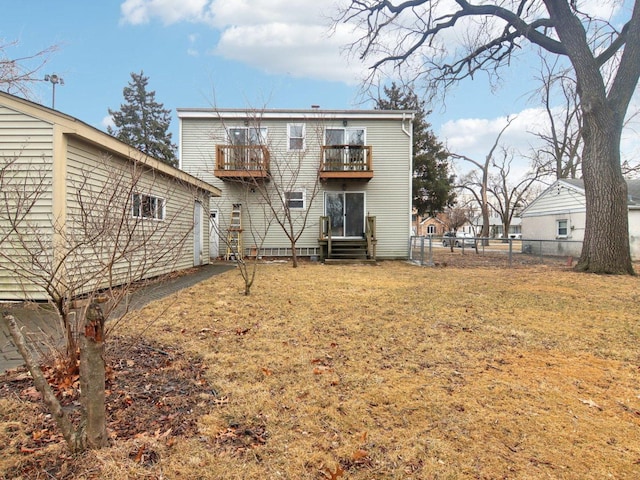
(43, 331)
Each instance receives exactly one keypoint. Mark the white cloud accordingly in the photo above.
(107, 122)
(275, 36)
(137, 12)
(474, 138)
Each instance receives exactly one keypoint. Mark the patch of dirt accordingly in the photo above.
(153, 390)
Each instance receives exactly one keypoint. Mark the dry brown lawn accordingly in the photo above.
(394, 372)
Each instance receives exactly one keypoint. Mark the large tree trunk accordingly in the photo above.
(606, 239)
(92, 377)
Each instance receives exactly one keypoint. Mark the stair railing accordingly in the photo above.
(325, 232)
(370, 235)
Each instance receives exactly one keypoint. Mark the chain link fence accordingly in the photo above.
(508, 252)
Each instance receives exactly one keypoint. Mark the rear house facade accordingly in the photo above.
(80, 210)
(343, 177)
(554, 223)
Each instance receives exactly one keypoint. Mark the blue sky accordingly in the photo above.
(232, 53)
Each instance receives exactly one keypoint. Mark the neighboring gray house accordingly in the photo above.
(349, 172)
(557, 219)
(73, 198)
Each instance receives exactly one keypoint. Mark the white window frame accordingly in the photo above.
(150, 213)
(345, 135)
(291, 137)
(251, 135)
(431, 229)
(566, 228)
(287, 199)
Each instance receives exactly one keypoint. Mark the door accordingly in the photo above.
(346, 212)
(214, 236)
(197, 234)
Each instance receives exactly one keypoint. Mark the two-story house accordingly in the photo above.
(342, 178)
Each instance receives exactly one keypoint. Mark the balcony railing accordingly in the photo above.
(346, 161)
(242, 161)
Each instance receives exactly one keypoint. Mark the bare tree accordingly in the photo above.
(457, 216)
(477, 181)
(418, 33)
(92, 253)
(290, 186)
(18, 74)
(561, 148)
(255, 230)
(509, 197)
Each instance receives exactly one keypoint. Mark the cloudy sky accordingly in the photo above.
(240, 53)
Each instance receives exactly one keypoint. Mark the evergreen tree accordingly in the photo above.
(143, 123)
(432, 183)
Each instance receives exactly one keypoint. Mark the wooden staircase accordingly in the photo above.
(348, 250)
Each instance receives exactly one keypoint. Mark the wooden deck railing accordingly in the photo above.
(346, 161)
(242, 160)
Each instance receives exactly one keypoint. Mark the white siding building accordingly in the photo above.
(73, 197)
(557, 219)
(351, 167)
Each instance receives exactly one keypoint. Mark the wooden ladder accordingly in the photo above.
(234, 234)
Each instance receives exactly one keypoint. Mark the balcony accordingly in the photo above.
(344, 162)
(242, 162)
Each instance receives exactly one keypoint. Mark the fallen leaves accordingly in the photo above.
(359, 455)
(334, 475)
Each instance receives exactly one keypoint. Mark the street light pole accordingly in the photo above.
(54, 79)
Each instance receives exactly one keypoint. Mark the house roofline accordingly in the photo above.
(230, 114)
(563, 182)
(72, 126)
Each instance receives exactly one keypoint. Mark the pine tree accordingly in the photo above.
(143, 123)
(432, 183)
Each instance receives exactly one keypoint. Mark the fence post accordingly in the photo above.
(421, 251)
(430, 251)
(510, 251)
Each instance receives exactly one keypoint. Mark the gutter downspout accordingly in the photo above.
(409, 133)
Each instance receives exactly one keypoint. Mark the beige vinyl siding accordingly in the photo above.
(389, 191)
(162, 246)
(26, 142)
(387, 195)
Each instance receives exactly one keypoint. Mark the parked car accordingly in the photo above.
(458, 239)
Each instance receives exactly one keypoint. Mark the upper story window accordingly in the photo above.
(147, 206)
(296, 136)
(344, 136)
(248, 136)
(431, 229)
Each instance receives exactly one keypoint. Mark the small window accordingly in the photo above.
(147, 206)
(431, 229)
(563, 228)
(296, 136)
(295, 200)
